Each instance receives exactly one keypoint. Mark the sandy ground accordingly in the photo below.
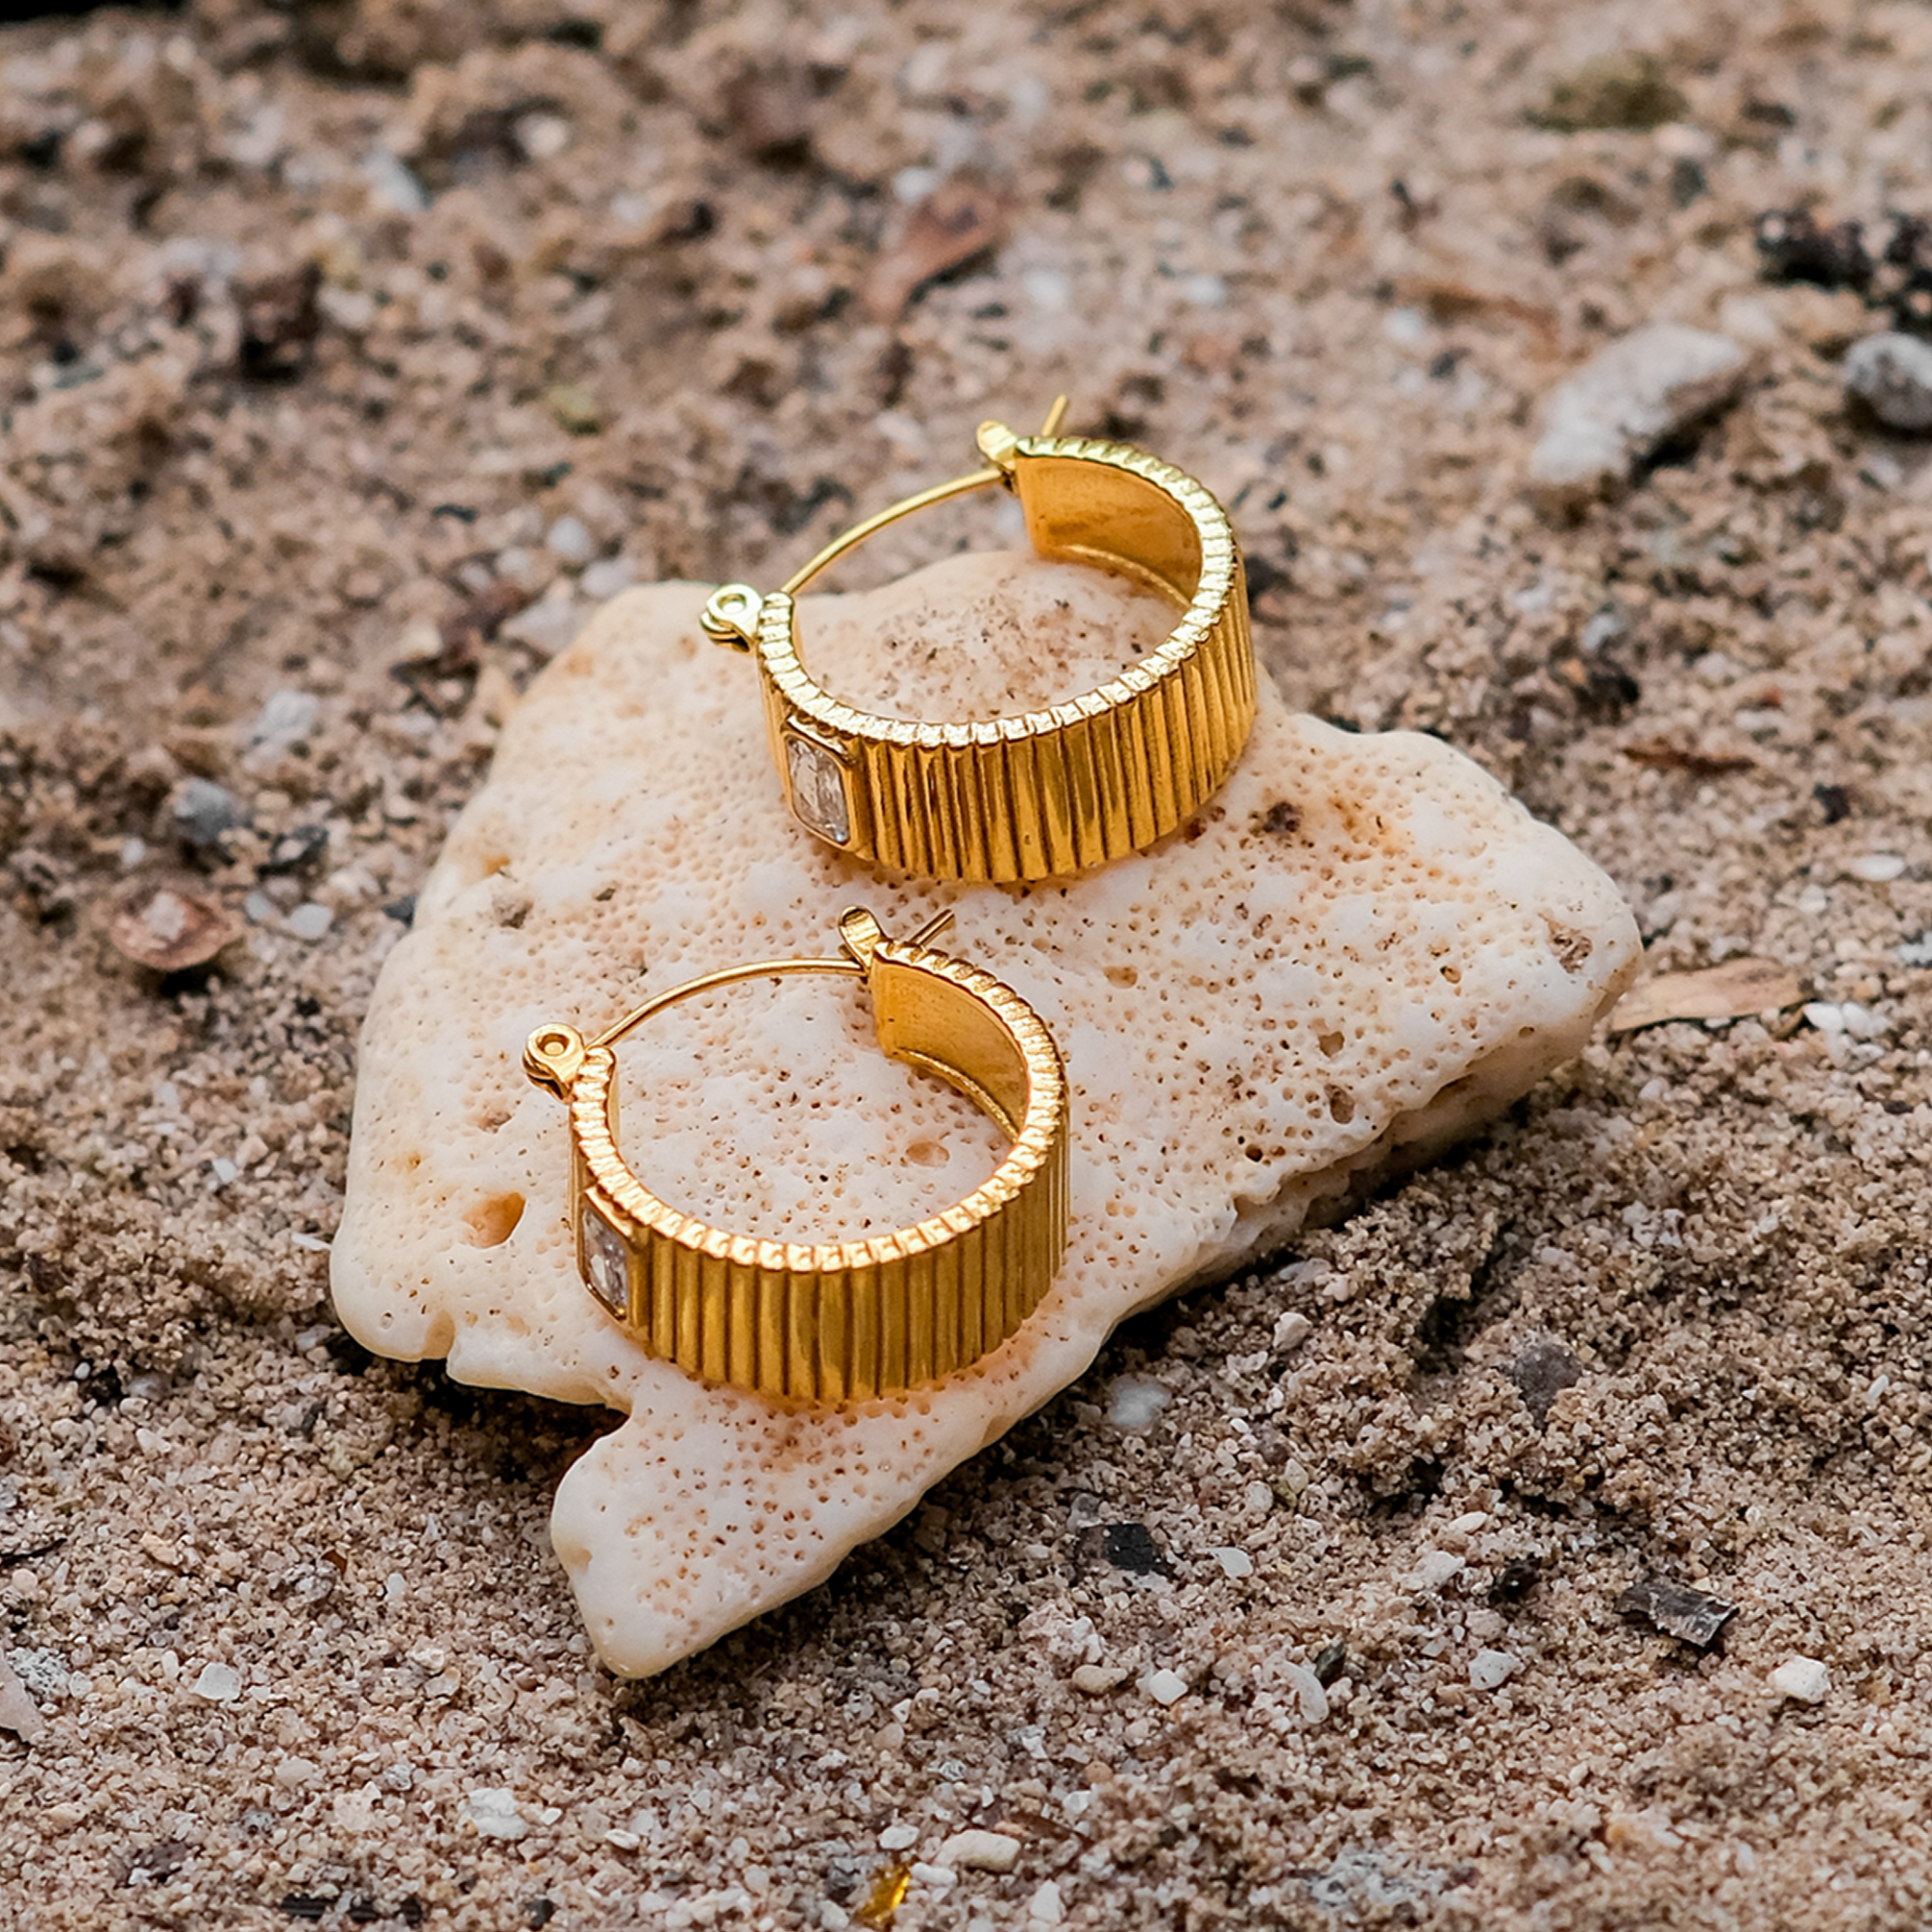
(347, 353)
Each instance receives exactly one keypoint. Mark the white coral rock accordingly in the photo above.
(1625, 401)
(1362, 948)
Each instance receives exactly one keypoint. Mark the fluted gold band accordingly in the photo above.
(1052, 791)
(834, 1322)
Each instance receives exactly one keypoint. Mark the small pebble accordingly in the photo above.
(1259, 1498)
(1877, 869)
(898, 1838)
(570, 542)
(1804, 1680)
(288, 717)
(1235, 1563)
(1437, 1567)
(493, 1810)
(976, 1850)
(606, 576)
(1097, 1679)
(1044, 1908)
(18, 1712)
(1892, 376)
(203, 812)
(1604, 417)
(1311, 1698)
(1165, 1687)
(1132, 1401)
(308, 921)
(1490, 1669)
(218, 1683)
(1292, 1329)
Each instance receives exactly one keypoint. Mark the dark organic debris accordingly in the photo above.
(1130, 1546)
(1541, 1373)
(1330, 1661)
(967, 215)
(1676, 1609)
(281, 319)
(1892, 272)
(1515, 1580)
(1792, 247)
(1622, 91)
(1693, 760)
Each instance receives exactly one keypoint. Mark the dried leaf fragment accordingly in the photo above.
(170, 928)
(1690, 758)
(966, 214)
(1676, 1609)
(1732, 991)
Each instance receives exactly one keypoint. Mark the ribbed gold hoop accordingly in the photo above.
(834, 1322)
(1047, 792)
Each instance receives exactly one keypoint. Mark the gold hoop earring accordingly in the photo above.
(832, 1322)
(1048, 793)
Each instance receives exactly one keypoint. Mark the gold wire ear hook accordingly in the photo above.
(553, 1055)
(731, 612)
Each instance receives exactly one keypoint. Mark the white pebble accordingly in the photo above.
(1044, 1908)
(1235, 1563)
(1877, 869)
(1259, 1498)
(218, 1683)
(570, 542)
(1132, 1402)
(1892, 375)
(1292, 1329)
(1165, 1687)
(607, 578)
(976, 1850)
(1437, 1567)
(288, 716)
(1625, 400)
(1097, 1679)
(308, 921)
(898, 1838)
(1802, 1680)
(493, 1810)
(18, 1712)
(940, 1877)
(292, 1772)
(1310, 1699)
(1490, 1669)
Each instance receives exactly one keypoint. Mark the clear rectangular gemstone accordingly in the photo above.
(606, 1263)
(818, 789)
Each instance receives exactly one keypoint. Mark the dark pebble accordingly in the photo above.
(204, 813)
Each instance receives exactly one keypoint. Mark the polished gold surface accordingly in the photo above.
(1047, 792)
(832, 1322)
